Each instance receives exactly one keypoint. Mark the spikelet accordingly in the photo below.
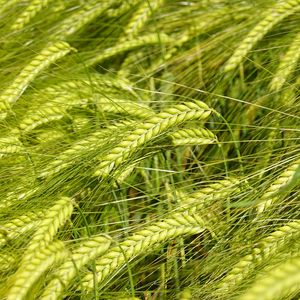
(29, 13)
(85, 252)
(149, 130)
(30, 272)
(153, 235)
(276, 14)
(40, 62)
(287, 65)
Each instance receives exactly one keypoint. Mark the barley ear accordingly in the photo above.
(85, 252)
(268, 246)
(147, 40)
(149, 130)
(281, 282)
(40, 62)
(7, 261)
(194, 136)
(78, 149)
(287, 65)
(179, 224)
(272, 193)
(44, 114)
(54, 218)
(276, 14)
(89, 11)
(10, 145)
(29, 13)
(30, 271)
(140, 17)
(6, 5)
(14, 228)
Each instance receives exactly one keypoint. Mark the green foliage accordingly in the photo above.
(149, 149)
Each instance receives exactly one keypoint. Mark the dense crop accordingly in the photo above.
(149, 149)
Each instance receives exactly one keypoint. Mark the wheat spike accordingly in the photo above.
(99, 84)
(218, 189)
(15, 197)
(10, 145)
(44, 114)
(207, 195)
(79, 149)
(129, 108)
(7, 261)
(89, 11)
(16, 227)
(6, 5)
